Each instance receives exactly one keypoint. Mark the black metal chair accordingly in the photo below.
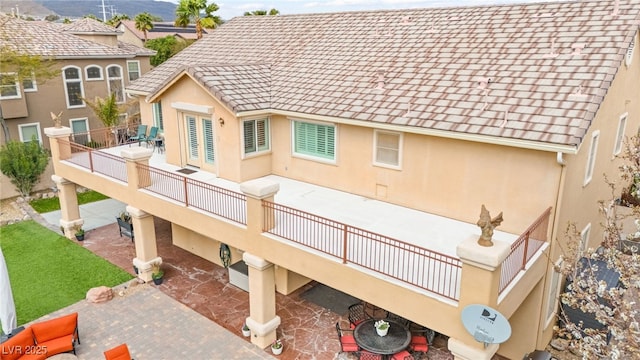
(356, 314)
(347, 341)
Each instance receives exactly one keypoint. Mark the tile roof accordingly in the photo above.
(534, 72)
(90, 26)
(162, 29)
(49, 40)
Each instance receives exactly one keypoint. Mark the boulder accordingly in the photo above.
(99, 294)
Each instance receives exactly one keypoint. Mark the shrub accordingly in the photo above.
(23, 163)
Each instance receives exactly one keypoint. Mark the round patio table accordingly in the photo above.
(396, 340)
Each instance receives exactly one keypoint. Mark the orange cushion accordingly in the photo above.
(59, 345)
(55, 328)
(417, 339)
(348, 339)
(349, 347)
(18, 345)
(420, 347)
(35, 355)
(120, 352)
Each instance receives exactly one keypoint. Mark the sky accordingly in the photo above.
(233, 8)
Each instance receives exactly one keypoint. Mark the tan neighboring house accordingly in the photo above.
(356, 149)
(92, 63)
(130, 34)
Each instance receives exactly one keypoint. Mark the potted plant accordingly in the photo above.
(276, 347)
(246, 332)
(79, 232)
(156, 273)
(382, 327)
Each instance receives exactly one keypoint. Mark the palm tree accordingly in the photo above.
(144, 22)
(262, 12)
(192, 9)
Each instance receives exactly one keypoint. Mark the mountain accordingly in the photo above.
(80, 8)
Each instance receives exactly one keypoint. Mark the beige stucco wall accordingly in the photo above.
(8, 190)
(579, 202)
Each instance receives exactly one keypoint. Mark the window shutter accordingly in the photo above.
(249, 137)
(209, 155)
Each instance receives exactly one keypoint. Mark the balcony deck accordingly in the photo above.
(433, 232)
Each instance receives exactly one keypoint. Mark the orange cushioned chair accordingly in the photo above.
(120, 352)
(22, 346)
(347, 341)
(57, 335)
(402, 355)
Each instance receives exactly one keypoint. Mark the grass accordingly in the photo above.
(49, 272)
(53, 204)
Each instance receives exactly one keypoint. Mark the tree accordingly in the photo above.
(192, 9)
(108, 111)
(615, 307)
(165, 48)
(17, 63)
(115, 19)
(262, 12)
(52, 17)
(144, 23)
(23, 163)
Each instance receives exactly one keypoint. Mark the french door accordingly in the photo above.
(200, 146)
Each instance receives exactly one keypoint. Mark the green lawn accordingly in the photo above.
(52, 204)
(49, 272)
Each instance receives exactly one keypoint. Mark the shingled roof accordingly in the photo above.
(535, 72)
(50, 40)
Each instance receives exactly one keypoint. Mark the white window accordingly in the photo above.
(313, 140)
(629, 55)
(29, 132)
(157, 115)
(9, 87)
(255, 136)
(73, 88)
(622, 123)
(80, 128)
(115, 82)
(387, 146)
(93, 72)
(593, 149)
(133, 68)
(29, 84)
(554, 293)
(584, 239)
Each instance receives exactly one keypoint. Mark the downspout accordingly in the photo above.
(559, 193)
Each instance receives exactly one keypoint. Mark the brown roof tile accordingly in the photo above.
(331, 64)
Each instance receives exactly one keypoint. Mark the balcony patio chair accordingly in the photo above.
(120, 352)
(356, 314)
(347, 341)
(365, 355)
(153, 136)
(402, 355)
(140, 136)
(419, 341)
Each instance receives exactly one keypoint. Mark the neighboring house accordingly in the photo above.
(160, 29)
(382, 133)
(92, 63)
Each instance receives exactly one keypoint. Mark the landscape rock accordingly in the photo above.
(99, 294)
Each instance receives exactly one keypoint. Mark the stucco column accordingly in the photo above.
(262, 319)
(145, 242)
(480, 281)
(58, 151)
(69, 209)
(133, 156)
(257, 190)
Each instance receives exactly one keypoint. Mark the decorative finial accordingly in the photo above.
(487, 224)
(56, 119)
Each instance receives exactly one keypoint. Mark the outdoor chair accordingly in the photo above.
(140, 135)
(402, 355)
(120, 352)
(365, 355)
(356, 314)
(153, 135)
(418, 343)
(347, 341)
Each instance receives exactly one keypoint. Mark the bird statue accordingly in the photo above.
(487, 224)
(56, 119)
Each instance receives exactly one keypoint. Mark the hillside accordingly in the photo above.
(80, 8)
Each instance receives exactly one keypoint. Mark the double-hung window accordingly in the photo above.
(133, 68)
(115, 82)
(387, 149)
(30, 132)
(157, 115)
(29, 84)
(314, 140)
(73, 86)
(9, 87)
(255, 135)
